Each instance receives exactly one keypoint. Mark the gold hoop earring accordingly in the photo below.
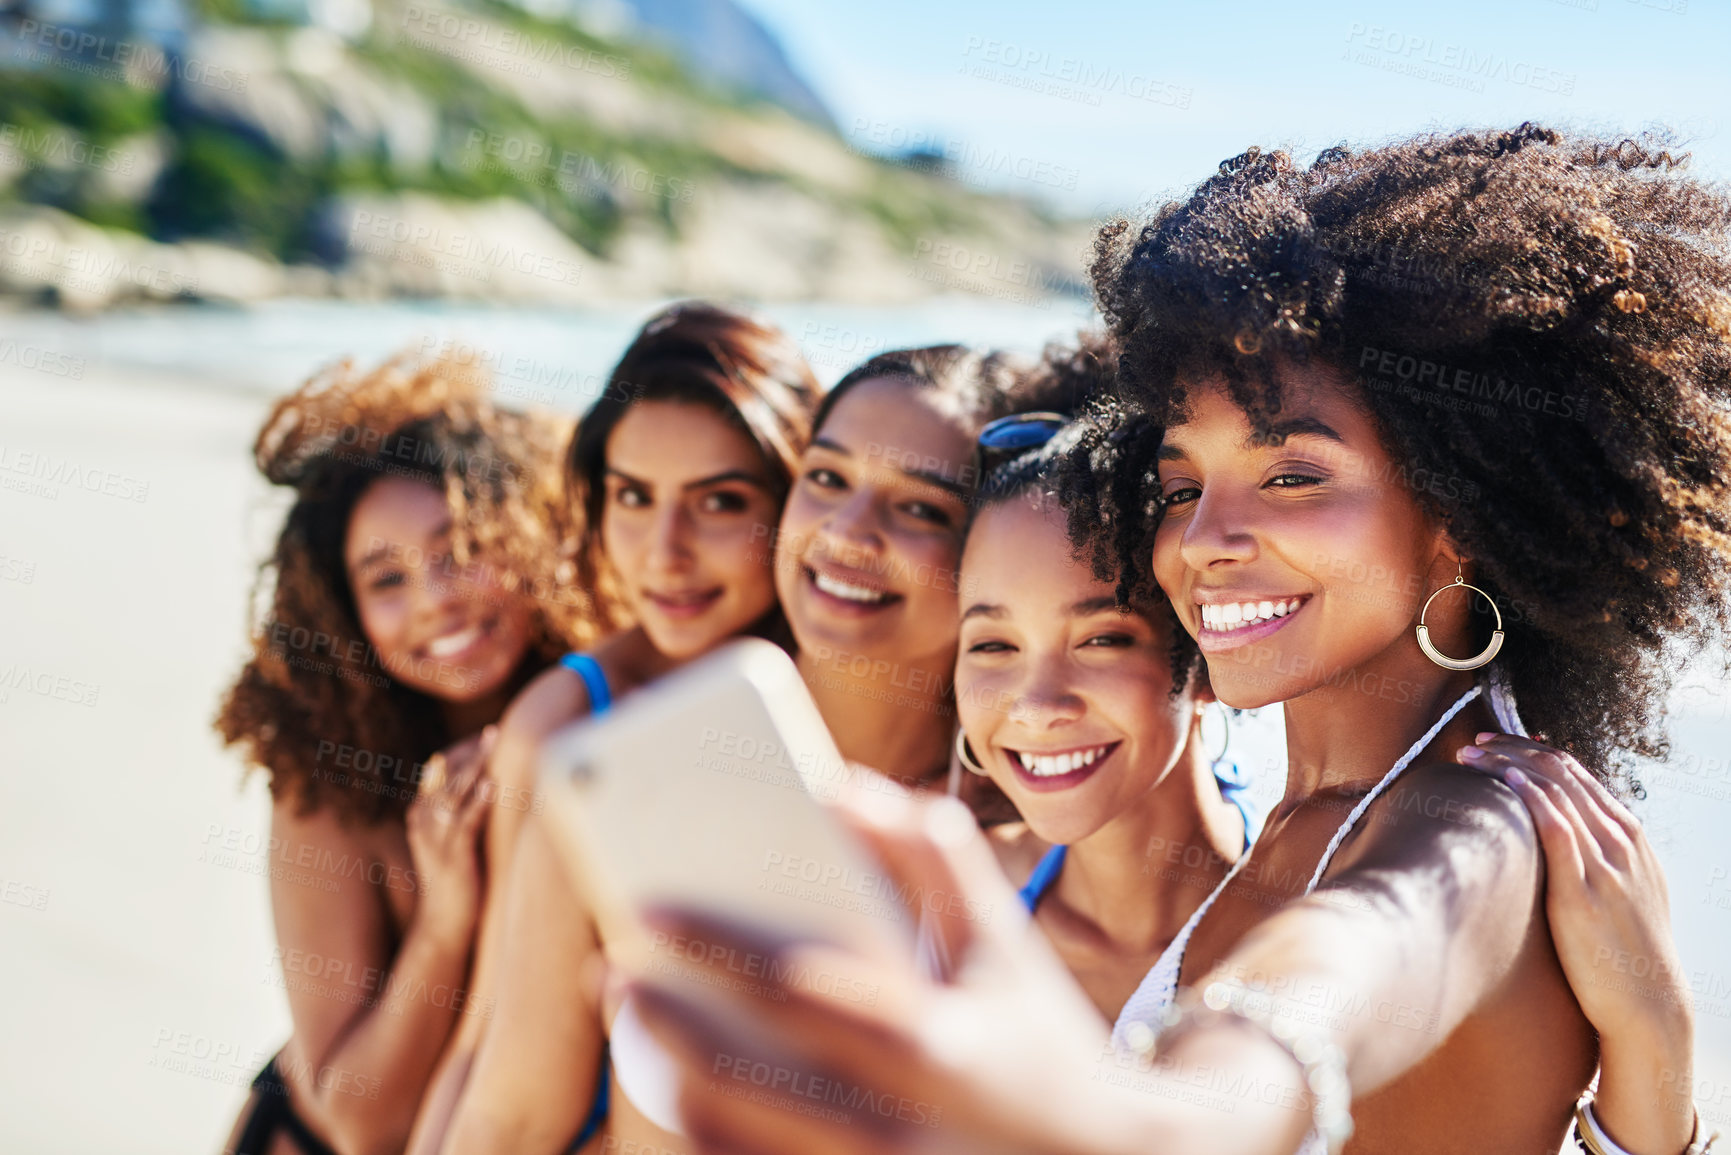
(965, 755)
(1443, 660)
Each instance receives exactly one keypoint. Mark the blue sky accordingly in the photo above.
(1107, 105)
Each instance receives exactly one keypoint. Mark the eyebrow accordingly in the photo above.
(1087, 607)
(1276, 435)
(383, 549)
(936, 480)
(743, 475)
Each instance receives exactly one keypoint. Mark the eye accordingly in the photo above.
(825, 478)
(1110, 640)
(724, 501)
(631, 497)
(1181, 496)
(389, 579)
(991, 647)
(1293, 480)
(926, 511)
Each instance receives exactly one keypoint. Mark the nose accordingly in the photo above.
(1218, 531)
(669, 541)
(852, 529)
(1047, 698)
(433, 588)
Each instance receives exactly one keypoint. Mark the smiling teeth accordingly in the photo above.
(1240, 614)
(453, 643)
(1052, 765)
(840, 589)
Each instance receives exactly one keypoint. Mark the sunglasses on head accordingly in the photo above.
(1020, 432)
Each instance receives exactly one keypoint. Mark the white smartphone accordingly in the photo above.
(705, 790)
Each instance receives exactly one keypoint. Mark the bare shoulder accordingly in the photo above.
(1449, 831)
(1018, 849)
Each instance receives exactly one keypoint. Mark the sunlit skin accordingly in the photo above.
(1048, 665)
(437, 626)
(686, 526)
(878, 507)
(1314, 516)
(450, 631)
(1426, 945)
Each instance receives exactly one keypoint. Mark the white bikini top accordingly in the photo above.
(1159, 988)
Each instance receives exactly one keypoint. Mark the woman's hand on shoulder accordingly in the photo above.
(1605, 892)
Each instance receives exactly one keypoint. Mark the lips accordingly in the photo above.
(683, 604)
(849, 591)
(1227, 625)
(1047, 770)
(455, 643)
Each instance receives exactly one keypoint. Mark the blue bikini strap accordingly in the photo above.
(594, 680)
(1045, 874)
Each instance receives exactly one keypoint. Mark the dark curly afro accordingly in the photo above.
(1539, 323)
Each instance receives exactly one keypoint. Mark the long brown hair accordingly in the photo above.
(747, 370)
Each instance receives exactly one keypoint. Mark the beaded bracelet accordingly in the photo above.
(1321, 1063)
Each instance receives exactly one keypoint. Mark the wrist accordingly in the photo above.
(449, 927)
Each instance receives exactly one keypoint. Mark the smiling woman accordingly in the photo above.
(413, 593)
(1381, 969)
(680, 470)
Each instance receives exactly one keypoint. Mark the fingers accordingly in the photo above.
(942, 866)
(1612, 833)
(739, 1095)
(1560, 838)
(840, 1010)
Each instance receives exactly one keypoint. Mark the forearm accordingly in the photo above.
(393, 1047)
(1646, 1078)
(1227, 1089)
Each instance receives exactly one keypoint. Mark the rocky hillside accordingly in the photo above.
(437, 149)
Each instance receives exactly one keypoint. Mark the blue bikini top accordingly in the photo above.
(1234, 787)
(594, 680)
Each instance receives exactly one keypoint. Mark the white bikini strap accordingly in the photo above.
(1196, 915)
(1364, 803)
(1503, 703)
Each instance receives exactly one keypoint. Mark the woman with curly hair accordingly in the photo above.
(1397, 505)
(411, 593)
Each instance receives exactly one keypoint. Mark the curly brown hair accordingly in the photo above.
(1539, 323)
(307, 689)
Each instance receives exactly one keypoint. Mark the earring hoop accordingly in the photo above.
(1442, 659)
(965, 755)
(1226, 731)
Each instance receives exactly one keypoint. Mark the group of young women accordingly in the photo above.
(1021, 585)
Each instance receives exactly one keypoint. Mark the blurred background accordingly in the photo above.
(202, 201)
